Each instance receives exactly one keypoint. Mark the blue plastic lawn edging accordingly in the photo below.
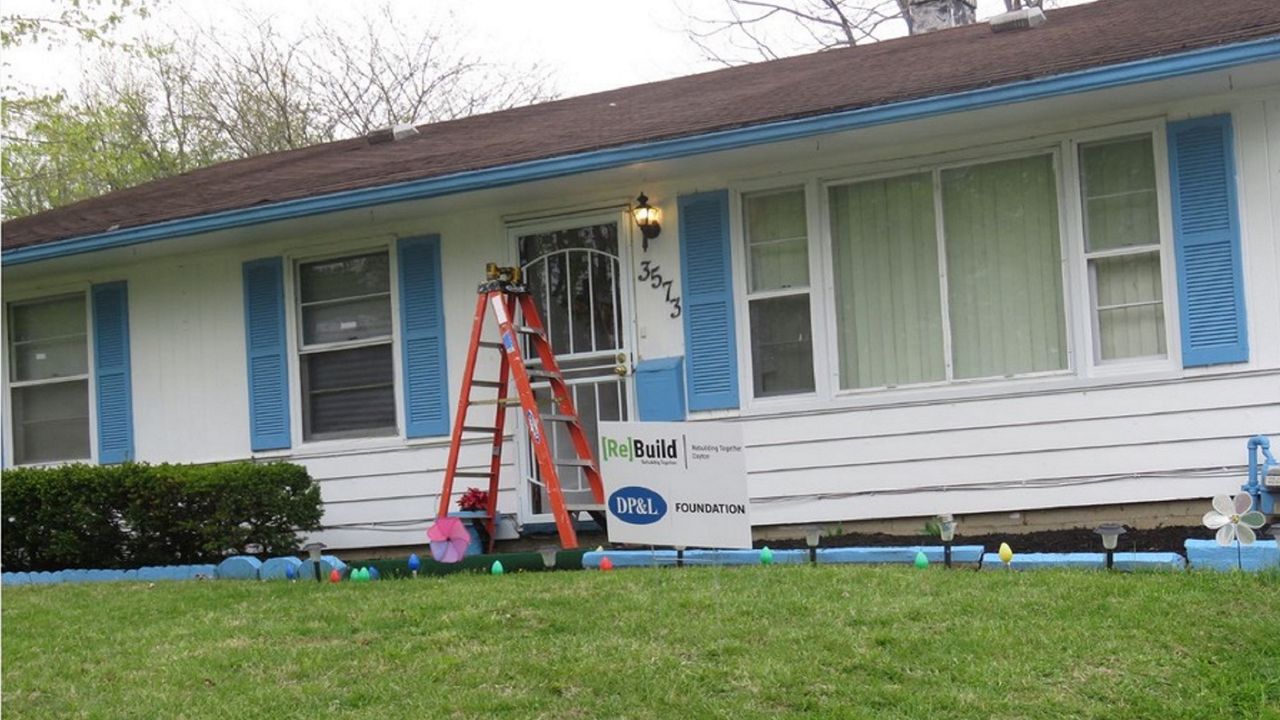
(239, 567)
(963, 554)
(1208, 554)
(904, 555)
(277, 568)
(1127, 561)
(144, 574)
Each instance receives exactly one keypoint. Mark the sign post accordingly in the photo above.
(676, 484)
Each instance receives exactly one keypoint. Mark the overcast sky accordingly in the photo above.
(588, 45)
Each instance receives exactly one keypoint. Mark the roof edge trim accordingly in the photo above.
(1098, 78)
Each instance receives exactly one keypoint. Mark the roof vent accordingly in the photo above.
(1021, 19)
(395, 132)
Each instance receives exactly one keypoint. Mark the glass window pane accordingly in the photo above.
(1004, 269)
(48, 339)
(777, 239)
(1129, 296)
(51, 422)
(345, 321)
(349, 393)
(888, 294)
(1118, 180)
(58, 317)
(345, 277)
(44, 359)
(781, 345)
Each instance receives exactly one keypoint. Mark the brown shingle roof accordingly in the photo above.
(1103, 33)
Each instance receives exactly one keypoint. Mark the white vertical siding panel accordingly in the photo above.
(1258, 159)
(190, 401)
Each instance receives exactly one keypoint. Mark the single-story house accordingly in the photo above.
(982, 269)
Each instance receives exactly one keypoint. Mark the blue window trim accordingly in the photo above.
(702, 350)
(1223, 239)
(430, 329)
(1138, 71)
(118, 424)
(282, 437)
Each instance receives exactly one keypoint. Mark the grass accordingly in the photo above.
(829, 642)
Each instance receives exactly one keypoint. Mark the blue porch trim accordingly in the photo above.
(1138, 71)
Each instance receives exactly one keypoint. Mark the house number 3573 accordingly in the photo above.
(652, 274)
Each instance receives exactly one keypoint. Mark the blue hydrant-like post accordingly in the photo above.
(1259, 444)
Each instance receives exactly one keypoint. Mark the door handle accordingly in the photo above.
(622, 369)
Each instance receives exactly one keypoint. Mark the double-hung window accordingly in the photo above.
(1122, 248)
(345, 347)
(778, 292)
(49, 379)
(949, 274)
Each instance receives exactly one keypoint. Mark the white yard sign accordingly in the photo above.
(675, 484)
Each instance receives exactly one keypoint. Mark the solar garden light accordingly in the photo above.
(1110, 532)
(811, 537)
(679, 556)
(946, 533)
(313, 553)
(548, 556)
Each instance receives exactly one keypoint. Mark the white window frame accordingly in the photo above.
(293, 332)
(740, 259)
(1081, 367)
(36, 296)
(1093, 365)
(751, 295)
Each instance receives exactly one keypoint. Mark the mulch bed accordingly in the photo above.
(1161, 539)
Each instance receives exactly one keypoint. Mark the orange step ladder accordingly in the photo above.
(503, 294)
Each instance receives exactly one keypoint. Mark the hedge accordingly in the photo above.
(135, 514)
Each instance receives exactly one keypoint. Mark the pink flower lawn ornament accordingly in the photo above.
(1234, 519)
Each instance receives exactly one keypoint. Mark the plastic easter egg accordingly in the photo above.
(335, 576)
(1006, 553)
(606, 564)
(922, 560)
(496, 568)
(766, 556)
(414, 563)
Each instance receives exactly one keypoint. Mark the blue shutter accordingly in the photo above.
(267, 351)
(113, 384)
(426, 378)
(1206, 231)
(711, 366)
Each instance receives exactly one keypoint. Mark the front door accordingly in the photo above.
(577, 271)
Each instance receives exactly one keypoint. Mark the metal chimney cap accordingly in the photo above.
(1020, 19)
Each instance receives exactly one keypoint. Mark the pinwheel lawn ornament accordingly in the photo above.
(1235, 520)
(449, 540)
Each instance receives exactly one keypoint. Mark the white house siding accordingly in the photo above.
(1007, 445)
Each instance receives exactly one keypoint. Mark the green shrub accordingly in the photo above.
(119, 516)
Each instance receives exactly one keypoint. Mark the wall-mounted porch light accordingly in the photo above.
(646, 217)
(1110, 532)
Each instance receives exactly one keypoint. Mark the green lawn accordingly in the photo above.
(698, 642)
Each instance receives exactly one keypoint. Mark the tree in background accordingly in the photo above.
(175, 102)
(754, 30)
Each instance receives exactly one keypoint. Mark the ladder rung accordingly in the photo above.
(575, 462)
(552, 417)
(479, 428)
(472, 473)
(544, 374)
(495, 401)
(526, 330)
(584, 508)
(486, 383)
(491, 345)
